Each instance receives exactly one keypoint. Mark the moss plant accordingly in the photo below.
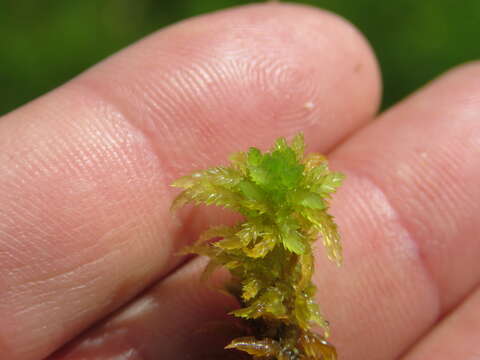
(283, 196)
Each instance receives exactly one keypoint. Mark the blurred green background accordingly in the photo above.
(45, 43)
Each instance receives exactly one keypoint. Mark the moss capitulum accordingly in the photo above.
(283, 196)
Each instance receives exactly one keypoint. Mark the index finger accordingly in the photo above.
(84, 218)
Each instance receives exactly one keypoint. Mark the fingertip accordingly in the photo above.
(243, 76)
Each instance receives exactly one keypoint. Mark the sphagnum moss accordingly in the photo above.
(283, 196)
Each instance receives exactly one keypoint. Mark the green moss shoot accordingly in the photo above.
(283, 196)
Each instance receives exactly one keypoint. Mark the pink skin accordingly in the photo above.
(85, 226)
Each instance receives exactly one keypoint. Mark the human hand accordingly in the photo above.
(85, 225)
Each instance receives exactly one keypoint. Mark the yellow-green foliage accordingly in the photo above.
(283, 196)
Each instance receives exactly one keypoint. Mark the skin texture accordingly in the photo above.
(88, 248)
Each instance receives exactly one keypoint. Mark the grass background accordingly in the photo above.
(45, 43)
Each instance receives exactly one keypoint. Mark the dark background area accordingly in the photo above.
(44, 43)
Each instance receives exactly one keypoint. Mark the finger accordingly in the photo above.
(456, 337)
(402, 219)
(84, 217)
(409, 212)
